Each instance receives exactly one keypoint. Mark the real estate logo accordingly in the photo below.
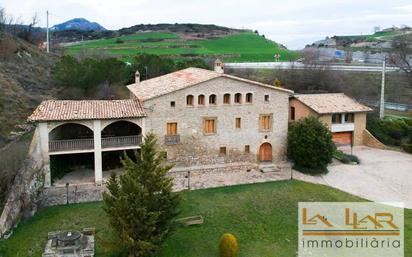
(350, 229)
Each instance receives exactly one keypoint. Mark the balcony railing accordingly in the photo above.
(70, 145)
(88, 143)
(108, 142)
(172, 139)
(342, 127)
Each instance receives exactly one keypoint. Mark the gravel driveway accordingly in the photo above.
(382, 176)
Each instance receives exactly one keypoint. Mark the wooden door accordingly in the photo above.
(342, 138)
(265, 152)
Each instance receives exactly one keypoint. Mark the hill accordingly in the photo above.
(25, 80)
(78, 24)
(380, 39)
(228, 44)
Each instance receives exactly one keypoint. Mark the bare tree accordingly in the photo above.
(402, 55)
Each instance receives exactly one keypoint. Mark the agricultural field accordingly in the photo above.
(239, 47)
(262, 216)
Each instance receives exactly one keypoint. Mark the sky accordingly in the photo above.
(293, 23)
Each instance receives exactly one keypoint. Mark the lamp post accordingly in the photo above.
(67, 193)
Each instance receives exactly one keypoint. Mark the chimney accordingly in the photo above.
(219, 66)
(137, 77)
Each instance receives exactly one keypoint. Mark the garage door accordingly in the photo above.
(342, 138)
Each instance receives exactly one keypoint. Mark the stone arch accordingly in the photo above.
(121, 128)
(70, 130)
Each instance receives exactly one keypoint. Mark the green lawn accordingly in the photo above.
(242, 46)
(262, 216)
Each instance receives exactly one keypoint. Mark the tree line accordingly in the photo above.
(105, 78)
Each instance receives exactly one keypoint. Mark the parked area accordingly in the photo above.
(381, 176)
(263, 217)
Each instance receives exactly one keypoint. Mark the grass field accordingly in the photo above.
(239, 47)
(262, 216)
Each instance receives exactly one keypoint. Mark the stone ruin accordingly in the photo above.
(70, 244)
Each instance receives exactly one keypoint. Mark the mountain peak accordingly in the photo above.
(78, 24)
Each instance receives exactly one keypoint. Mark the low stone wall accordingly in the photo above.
(73, 194)
(371, 141)
(196, 177)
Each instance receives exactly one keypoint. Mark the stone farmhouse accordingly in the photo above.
(201, 118)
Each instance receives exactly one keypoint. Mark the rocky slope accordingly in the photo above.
(25, 80)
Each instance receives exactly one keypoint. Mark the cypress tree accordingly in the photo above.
(140, 203)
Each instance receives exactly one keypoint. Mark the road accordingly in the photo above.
(298, 65)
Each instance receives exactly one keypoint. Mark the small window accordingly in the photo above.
(201, 100)
(212, 99)
(226, 99)
(238, 123)
(172, 104)
(349, 118)
(292, 113)
(171, 128)
(209, 126)
(238, 98)
(249, 98)
(336, 118)
(267, 98)
(265, 122)
(189, 100)
(247, 148)
(222, 150)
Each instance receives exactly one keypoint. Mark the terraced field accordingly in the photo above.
(239, 47)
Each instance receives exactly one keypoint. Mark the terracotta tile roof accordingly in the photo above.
(177, 80)
(331, 103)
(60, 110)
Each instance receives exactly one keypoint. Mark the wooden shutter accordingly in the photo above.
(265, 122)
(238, 123)
(171, 128)
(209, 126)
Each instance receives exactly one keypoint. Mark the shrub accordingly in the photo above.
(310, 145)
(228, 246)
(407, 148)
(345, 158)
(389, 131)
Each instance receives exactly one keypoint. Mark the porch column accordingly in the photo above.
(98, 172)
(44, 149)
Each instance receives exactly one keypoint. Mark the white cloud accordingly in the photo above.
(293, 22)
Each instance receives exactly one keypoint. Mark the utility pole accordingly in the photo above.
(47, 33)
(382, 101)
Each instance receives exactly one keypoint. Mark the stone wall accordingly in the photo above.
(195, 177)
(27, 185)
(371, 141)
(196, 148)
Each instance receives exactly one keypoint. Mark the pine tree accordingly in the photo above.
(140, 203)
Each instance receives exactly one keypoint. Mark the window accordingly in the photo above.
(238, 98)
(212, 99)
(189, 100)
(201, 100)
(336, 118)
(209, 126)
(247, 148)
(265, 122)
(238, 123)
(292, 113)
(226, 99)
(171, 128)
(172, 103)
(349, 118)
(249, 98)
(267, 98)
(222, 150)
